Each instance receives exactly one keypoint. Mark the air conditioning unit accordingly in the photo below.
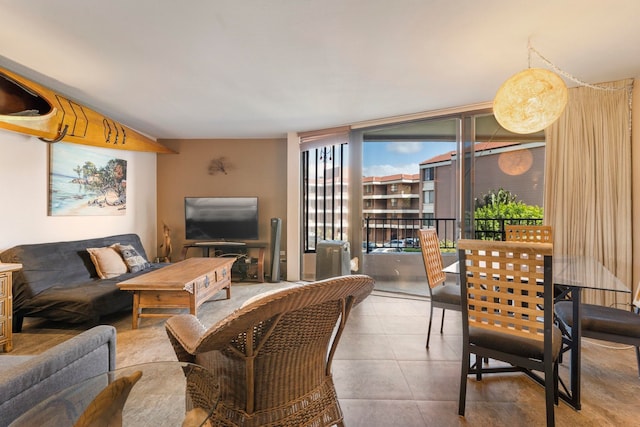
(332, 259)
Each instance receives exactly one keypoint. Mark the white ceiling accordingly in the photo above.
(262, 68)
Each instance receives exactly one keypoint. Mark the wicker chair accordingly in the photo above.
(443, 295)
(272, 356)
(528, 233)
(507, 313)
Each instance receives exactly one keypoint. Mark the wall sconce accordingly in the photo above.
(530, 100)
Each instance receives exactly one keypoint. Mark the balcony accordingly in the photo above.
(382, 232)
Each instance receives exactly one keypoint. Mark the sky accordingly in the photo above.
(390, 158)
(67, 156)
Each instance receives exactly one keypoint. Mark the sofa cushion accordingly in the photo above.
(108, 261)
(83, 302)
(79, 303)
(134, 261)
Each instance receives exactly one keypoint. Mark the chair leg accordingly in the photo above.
(556, 378)
(638, 357)
(464, 372)
(550, 392)
(430, 320)
(442, 321)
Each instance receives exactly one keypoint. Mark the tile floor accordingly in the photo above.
(385, 377)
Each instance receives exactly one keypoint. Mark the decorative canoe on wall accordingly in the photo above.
(32, 109)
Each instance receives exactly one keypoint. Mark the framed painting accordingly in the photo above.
(85, 180)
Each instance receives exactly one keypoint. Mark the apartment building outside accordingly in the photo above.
(391, 207)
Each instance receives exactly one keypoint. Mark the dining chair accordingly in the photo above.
(507, 313)
(533, 234)
(605, 323)
(442, 294)
(528, 233)
(272, 356)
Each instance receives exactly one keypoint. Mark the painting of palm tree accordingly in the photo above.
(85, 180)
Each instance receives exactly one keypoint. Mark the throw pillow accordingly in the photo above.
(107, 261)
(135, 262)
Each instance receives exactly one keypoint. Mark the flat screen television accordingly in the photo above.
(221, 218)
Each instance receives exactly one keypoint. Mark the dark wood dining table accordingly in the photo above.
(572, 274)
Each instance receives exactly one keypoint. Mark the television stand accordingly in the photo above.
(220, 243)
(238, 249)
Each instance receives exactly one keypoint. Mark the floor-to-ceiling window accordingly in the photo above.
(409, 169)
(502, 177)
(325, 195)
(325, 192)
(435, 173)
(400, 177)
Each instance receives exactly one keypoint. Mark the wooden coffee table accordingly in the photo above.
(185, 284)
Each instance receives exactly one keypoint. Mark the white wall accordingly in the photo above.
(294, 208)
(24, 195)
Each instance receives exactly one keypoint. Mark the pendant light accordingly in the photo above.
(530, 100)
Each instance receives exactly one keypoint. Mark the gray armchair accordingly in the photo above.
(27, 380)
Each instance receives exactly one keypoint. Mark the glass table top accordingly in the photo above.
(576, 271)
(150, 394)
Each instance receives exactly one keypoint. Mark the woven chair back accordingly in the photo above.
(505, 285)
(430, 246)
(273, 355)
(528, 233)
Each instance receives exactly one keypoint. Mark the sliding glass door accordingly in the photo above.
(458, 174)
(409, 182)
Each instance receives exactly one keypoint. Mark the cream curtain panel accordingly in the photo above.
(588, 181)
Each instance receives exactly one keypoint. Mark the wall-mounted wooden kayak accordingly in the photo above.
(30, 108)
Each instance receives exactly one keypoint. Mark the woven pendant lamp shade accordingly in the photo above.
(530, 101)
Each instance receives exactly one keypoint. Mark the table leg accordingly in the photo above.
(571, 342)
(193, 306)
(576, 334)
(136, 309)
(261, 265)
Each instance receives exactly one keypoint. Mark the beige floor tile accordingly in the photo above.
(364, 347)
(381, 413)
(370, 379)
(413, 347)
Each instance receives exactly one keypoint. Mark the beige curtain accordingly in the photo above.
(588, 182)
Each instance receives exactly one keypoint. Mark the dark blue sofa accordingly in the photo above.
(59, 282)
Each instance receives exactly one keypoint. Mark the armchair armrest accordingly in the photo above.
(184, 332)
